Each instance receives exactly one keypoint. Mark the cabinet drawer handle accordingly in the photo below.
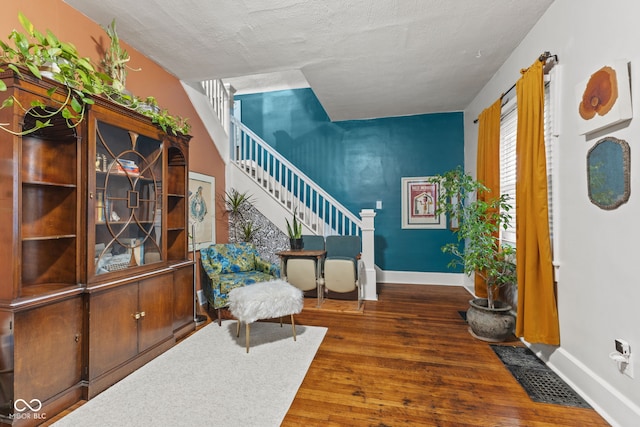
(136, 316)
(142, 314)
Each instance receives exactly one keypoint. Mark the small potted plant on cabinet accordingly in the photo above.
(479, 249)
(115, 59)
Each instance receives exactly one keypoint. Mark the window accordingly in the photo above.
(508, 132)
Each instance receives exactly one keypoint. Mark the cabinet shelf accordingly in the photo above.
(146, 222)
(48, 158)
(51, 184)
(176, 244)
(176, 213)
(49, 210)
(48, 288)
(124, 175)
(51, 237)
(55, 262)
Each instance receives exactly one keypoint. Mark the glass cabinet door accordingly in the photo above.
(128, 199)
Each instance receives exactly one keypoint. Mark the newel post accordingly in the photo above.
(368, 254)
(228, 108)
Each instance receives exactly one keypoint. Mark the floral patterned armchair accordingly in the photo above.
(232, 265)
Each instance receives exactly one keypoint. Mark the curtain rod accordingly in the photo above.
(548, 65)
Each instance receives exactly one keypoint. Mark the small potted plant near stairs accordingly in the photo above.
(479, 249)
(294, 230)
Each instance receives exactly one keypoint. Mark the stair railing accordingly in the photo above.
(220, 96)
(288, 185)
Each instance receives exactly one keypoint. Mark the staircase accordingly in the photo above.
(285, 190)
(314, 207)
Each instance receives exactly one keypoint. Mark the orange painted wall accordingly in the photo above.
(152, 80)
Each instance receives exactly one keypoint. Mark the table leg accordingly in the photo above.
(283, 268)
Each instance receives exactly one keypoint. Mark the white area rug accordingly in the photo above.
(210, 380)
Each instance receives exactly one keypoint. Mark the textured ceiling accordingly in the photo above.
(362, 58)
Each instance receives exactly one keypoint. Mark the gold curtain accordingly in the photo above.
(537, 319)
(488, 165)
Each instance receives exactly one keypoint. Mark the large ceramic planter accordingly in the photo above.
(490, 324)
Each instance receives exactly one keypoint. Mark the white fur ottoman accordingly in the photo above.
(265, 300)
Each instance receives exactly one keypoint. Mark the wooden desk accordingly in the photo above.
(318, 255)
(303, 253)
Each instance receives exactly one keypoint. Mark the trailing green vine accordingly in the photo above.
(43, 53)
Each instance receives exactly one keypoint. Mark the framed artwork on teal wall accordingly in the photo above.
(419, 203)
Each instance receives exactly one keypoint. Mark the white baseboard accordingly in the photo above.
(616, 408)
(421, 278)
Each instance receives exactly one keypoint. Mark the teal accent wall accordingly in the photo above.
(361, 161)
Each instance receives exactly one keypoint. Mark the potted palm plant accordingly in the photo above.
(238, 206)
(479, 250)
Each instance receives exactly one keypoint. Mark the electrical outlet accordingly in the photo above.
(201, 298)
(623, 357)
(627, 368)
(623, 348)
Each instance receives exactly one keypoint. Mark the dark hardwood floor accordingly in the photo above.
(409, 360)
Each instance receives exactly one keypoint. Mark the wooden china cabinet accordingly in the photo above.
(96, 275)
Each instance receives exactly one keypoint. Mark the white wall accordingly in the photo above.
(597, 251)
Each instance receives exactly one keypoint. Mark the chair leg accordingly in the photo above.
(247, 337)
(319, 283)
(219, 317)
(293, 327)
(320, 291)
(237, 329)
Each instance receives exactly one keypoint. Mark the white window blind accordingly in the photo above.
(508, 131)
(548, 127)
